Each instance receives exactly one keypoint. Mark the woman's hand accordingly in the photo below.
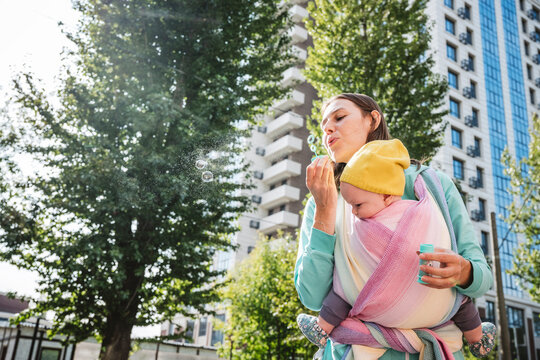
(320, 182)
(454, 270)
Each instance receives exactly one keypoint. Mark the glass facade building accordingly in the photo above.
(496, 58)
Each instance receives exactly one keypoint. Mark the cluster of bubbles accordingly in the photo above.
(312, 140)
(206, 175)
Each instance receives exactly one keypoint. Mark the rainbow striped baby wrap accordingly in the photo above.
(376, 272)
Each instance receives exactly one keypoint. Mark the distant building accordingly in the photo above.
(490, 52)
(28, 340)
(279, 155)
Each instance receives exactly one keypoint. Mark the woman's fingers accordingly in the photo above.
(316, 173)
(454, 269)
(445, 272)
(439, 283)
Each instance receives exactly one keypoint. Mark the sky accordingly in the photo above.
(31, 39)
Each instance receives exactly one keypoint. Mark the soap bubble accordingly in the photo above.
(200, 164)
(313, 148)
(311, 139)
(207, 176)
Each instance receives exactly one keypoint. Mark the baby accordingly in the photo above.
(372, 181)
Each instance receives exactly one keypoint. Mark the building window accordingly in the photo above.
(47, 354)
(524, 25)
(516, 326)
(467, 11)
(484, 236)
(480, 177)
(203, 324)
(282, 207)
(217, 335)
(526, 46)
(490, 312)
(450, 26)
(521, 5)
(458, 169)
(449, 3)
(469, 36)
(456, 138)
(188, 335)
(475, 116)
(471, 62)
(453, 79)
(532, 96)
(529, 72)
(482, 208)
(451, 52)
(454, 108)
(473, 90)
(536, 321)
(477, 146)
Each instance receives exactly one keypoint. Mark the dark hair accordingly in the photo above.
(366, 104)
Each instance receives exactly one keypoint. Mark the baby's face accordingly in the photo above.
(364, 203)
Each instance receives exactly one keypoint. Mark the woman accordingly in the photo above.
(349, 121)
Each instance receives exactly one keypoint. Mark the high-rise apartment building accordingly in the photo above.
(278, 155)
(490, 52)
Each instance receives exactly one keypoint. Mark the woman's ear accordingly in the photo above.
(376, 116)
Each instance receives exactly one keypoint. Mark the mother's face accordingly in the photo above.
(345, 129)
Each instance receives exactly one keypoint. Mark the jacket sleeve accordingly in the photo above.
(467, 242)
(313, 272)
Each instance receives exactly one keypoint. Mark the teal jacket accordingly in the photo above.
(314, 268)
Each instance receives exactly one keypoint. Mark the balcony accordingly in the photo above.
(464, 13)
(466, 65)
(279, 196)
(532, 14)
(469, 92)
(465, 38)
(281, 171)
(299, 53)
(474, 183)
(286, 122)
(471, 121)
(536, 59)
(258, 175)
(280, 220)
(473, 151)
(295, 98)
(534, 36)
(537, 82)
(298, 34)
(292, 76)
(283, 146)
(477, 215)
(298, 13)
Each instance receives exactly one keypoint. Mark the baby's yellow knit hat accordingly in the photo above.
(378, 167)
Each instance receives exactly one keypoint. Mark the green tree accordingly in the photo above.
(118, 223)
(379, 48)
(262, 305)
(524, 210)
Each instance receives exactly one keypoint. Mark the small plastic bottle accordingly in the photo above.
(425, 248)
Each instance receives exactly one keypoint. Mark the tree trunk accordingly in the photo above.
(116, 343)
